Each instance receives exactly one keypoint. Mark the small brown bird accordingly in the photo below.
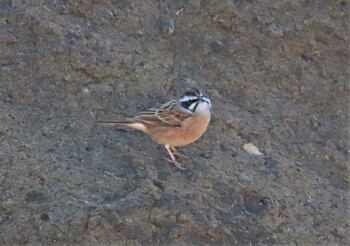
(173, 124)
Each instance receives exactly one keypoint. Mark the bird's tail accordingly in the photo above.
(129, 122)
(116, 121)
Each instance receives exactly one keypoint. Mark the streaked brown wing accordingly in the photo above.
(167, 114)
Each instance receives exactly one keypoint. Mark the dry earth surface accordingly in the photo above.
(276, 71)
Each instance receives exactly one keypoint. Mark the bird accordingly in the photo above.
(172, 124)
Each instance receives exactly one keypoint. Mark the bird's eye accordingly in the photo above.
(187, 104)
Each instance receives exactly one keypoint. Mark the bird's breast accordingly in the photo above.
(191, 130)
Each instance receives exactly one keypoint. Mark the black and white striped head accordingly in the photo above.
(194, 101)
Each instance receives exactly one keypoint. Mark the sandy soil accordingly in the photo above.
(276, 71)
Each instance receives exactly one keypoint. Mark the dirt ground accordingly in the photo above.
(277, 74)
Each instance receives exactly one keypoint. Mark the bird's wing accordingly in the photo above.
(168, 114)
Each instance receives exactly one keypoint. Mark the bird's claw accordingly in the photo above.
(176, 164)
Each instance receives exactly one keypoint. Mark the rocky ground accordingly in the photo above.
(276, 71)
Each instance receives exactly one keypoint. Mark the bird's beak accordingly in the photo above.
(203, 99)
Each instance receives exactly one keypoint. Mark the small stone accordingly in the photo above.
(168, 27)
(276, 31)
(216, 45)
(251, 149)
(44, 217)
(176, 232)
(254, 203)
(86, 91)
(184, 219)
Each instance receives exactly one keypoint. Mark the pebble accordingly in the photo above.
(251, 149)
(168, 27)
(276, 31)
(216, 45)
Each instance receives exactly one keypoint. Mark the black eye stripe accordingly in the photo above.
(195, 107)
(190, 101)
(187, 104)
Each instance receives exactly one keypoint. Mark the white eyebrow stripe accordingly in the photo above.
(187, 98)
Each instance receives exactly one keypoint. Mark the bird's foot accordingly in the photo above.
(177, 153)
(176, 164)
(180, 155)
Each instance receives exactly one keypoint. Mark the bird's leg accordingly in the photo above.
(177, 153)
(168, 148)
